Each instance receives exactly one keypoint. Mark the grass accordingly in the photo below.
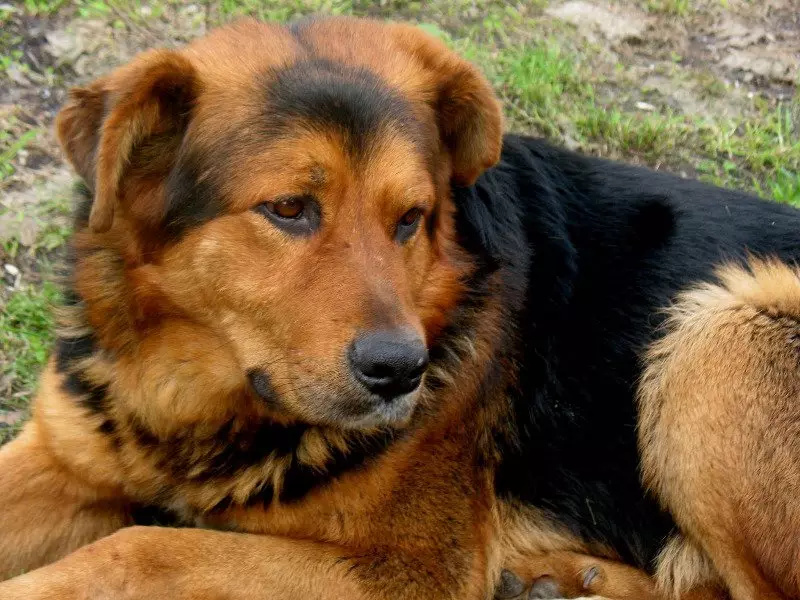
(43, 7)
(552, 92)
(784, 187)
(51, 215)
(678, 8)
(10, 147)
(551, 82)
(26, 334)
(282, 10)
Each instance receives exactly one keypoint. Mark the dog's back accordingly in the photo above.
(600, 249)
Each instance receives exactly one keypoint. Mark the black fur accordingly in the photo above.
(300, 479)
(154, 516)
(195, 456)
(69, 351)
(192, 198)
(83, 198)
(590, 252)
(92, 397)
(335, 96)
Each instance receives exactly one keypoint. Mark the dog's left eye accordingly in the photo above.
(297, 215)
(289, 209)
(408, 224)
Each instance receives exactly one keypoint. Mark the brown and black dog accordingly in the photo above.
(358, 344)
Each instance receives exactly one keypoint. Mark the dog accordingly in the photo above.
(329, 333)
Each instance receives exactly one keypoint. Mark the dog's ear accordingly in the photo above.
(105, 128)
(469, 116)
(78, 127)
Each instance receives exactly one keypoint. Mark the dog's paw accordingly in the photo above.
(572, 575)
(544, 587)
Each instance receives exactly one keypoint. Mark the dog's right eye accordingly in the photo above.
(296, 215)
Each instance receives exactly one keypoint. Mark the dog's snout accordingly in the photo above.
(388, 363)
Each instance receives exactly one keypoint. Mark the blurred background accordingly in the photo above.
(703, 88)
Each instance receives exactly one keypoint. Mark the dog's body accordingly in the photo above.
(607, 248)
(200, 369)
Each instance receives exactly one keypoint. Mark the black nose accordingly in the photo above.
(388, 363)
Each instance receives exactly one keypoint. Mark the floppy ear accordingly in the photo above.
(106, 125)
(469, 116)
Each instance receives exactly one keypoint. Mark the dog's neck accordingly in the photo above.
(148, 403)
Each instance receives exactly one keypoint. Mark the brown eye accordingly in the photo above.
(295, 215)
(289, 209)
(411, 217)
(407, 224)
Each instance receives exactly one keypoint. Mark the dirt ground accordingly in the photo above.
(705, 88)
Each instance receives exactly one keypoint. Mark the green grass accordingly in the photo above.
(10, 147)
(26, 334)
(43, 7)
(26, 331)
(93, 9)
(282, 10)
(542, 82)
(26, 321)
(551, 91)
(136, 12)
(670, 7)
(9, 59)
(784, 187)
(51, 214)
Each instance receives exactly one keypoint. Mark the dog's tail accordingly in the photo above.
(766, 285)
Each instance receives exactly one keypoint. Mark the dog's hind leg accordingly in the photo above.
(48, 509)
(720, 427)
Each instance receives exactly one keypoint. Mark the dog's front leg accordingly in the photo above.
(154, 563)
(46, 510)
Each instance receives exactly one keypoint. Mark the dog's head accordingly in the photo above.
(286, 191)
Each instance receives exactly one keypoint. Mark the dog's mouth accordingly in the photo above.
(351, 408)
(395, 413)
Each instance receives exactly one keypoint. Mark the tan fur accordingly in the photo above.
(720, 431)
(50, 507)
(349, 515)
(191, 564)
(683, 567)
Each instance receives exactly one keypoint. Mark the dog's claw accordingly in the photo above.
(544, 588)
(589, 576)
(509, 586)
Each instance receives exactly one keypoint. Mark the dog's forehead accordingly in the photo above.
(352, 102)
(265, 83)
(233, 57)
(369, 45)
